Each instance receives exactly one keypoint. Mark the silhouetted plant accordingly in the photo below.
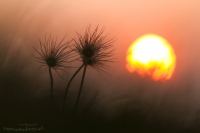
(93, 50)
(53, 55)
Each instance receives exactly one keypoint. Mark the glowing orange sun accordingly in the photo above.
(151, 55)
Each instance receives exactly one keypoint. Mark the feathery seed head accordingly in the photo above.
(93, 48)
(52, 54)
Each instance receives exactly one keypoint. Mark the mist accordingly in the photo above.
(107, 101)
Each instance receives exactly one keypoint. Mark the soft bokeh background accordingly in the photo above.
(22, 22)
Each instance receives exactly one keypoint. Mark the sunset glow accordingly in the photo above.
(151, 55)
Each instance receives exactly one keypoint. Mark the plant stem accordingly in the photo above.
(69, 85)
(79, 93)
(51, 77)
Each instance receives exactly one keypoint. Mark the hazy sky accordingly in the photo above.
(22, 22)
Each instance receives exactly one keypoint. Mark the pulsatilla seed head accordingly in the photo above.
(94, 49)
(54, 55)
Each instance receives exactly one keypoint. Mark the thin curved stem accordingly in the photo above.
(69, 85)
(51, 78)
(79, 93)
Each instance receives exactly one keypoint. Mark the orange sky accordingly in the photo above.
(177, 21)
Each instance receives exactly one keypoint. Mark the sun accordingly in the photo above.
(151, 55)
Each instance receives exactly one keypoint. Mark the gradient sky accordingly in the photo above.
(22, 22)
